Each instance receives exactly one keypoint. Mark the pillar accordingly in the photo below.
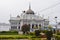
(30, 27)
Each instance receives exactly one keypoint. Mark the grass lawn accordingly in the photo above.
(16, 36)
(28, 37)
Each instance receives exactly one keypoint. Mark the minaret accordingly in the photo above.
(43, 16)
(29, 5)
(29, 11)
(48, 17)
(10, 16)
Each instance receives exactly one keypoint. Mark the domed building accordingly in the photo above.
(28, 17)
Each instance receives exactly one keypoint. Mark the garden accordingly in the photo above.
(30, 36)
(36, 35)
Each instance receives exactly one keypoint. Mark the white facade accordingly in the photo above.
(28, 17)
(4, 27)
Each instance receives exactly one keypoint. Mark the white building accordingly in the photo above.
(4, 27)
(28, 17)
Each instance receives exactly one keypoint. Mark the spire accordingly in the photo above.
(10, 16)
(29, 5)
(29, 11)
(48, 18)
(43, 15)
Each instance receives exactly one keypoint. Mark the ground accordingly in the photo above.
(19, 36)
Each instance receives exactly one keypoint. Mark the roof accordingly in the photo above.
(29, 11)
(14, 18)
(31, 17)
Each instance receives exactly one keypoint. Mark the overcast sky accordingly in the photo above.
(47, 8)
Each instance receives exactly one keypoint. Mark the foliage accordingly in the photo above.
(58, 33)
(32, 33)
(30, 37)
(58, 37)
(44, 31)
(37, 32)
(8, 32)
(49, 34)
(13, 37)
(25, 28)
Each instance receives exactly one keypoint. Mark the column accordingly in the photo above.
(21, 24)
(42, 25)
(38, 27)
(30, 27)
(17, 26)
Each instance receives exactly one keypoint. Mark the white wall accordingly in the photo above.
(4, 28)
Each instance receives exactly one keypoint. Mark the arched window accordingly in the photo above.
(32, 25)
(18, 27)
(39, 25)
(36, 26)
(19, 22)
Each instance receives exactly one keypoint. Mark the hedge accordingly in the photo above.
(58, 37)
(8, 32)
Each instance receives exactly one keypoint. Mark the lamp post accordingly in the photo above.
(56, 24)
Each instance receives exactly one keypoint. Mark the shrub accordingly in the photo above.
(49, 34)
(37, 32)
(3, 32)
(44, 31)
(8, 32)
(25, 28)
(13, 37)
(32, 33)
(58, 33)
(58, 37)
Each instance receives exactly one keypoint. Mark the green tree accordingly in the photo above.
(49, 34)
(25, 28)
(37, 32)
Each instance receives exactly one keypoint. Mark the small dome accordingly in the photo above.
(29, 11)
(18, 16)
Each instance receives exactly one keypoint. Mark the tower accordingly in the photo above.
(29, 11)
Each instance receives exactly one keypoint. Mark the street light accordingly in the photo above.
(56, 24)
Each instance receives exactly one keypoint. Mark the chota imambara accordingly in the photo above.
(30, 18)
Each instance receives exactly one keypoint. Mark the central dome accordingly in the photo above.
(29, 11)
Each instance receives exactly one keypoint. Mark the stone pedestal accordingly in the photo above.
(20, 32)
